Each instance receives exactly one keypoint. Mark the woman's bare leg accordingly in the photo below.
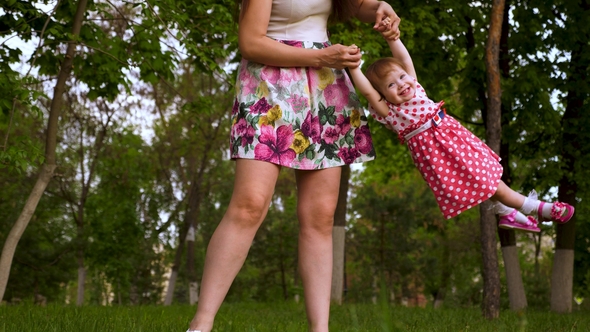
(253, 189)
(316, 204)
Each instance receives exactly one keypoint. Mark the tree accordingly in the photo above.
(516, 293)
(573, 165)
(339, 236)
(491, 291)
(113, 43)
(190, 138)
(121, 221)
(47, 169)
(87, 136)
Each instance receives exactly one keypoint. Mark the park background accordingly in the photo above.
(115, 118)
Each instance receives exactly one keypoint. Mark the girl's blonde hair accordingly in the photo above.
(379, 70)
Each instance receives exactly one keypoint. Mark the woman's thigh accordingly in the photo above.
(254, 185)
(318, 193)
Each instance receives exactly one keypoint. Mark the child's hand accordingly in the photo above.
(354, 50)
(389, 30)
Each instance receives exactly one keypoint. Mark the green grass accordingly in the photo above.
(259, 317)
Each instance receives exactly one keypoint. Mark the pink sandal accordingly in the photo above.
(509, 222)
(560, 212)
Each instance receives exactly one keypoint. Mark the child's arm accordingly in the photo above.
(366, 89)
(400, 52)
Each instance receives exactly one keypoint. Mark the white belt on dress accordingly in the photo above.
(435, 121)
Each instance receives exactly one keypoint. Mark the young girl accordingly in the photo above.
(459, 168)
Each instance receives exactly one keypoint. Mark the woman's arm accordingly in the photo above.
(363, 85)
(256, 46)
(400, 52)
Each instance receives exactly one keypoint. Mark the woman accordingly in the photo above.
(292, 109)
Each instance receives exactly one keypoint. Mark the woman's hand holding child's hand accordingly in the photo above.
(389, 30)
(340, 56)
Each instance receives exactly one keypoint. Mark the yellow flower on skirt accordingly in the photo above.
(326, 76)
(262, 90)
(300, 142)
(355, 118)
(273, 115)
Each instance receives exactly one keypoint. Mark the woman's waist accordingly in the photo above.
(312, 36)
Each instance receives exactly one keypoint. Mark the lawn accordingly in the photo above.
(259, 317)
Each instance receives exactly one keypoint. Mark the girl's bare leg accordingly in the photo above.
(253, 189)
(508, 197)
(317, 199)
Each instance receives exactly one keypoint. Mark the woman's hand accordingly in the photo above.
(388, 32)
(340, 56)
(387, 22)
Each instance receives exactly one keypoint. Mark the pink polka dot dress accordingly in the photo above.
(459, 168)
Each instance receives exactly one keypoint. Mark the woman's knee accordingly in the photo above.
(319, 221)
(248, 210)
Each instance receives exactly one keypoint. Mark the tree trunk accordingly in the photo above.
(491, 292)
(85, 183)
(194, 203)
(284, 285)
(190, 220)
(19, 227)
(339, 238)
(175, 266)
(562, 281)
(49, 165)
(194, 206)
(516, 294)
(374, 286)
(81, 278)
(80, 244)
(515, 286)
(445, 274)
(171, 285)
(563, 261)
(572, 139)
(490, 270)
(193, 286)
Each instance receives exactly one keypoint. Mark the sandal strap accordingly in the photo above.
(532, 221)
(540, 210)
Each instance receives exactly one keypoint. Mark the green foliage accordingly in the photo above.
(273, 255)
(21, 155)
(43, 262)
(118, 242)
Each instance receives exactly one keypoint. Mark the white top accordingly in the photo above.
(304, 20)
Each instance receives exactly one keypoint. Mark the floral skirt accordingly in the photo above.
(460, 169)
(299, 117)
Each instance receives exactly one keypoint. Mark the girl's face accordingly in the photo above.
(398, 87)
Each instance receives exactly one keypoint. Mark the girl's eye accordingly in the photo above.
(402, 77)
(391, 85)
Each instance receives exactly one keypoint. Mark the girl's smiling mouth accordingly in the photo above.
(405, 91)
